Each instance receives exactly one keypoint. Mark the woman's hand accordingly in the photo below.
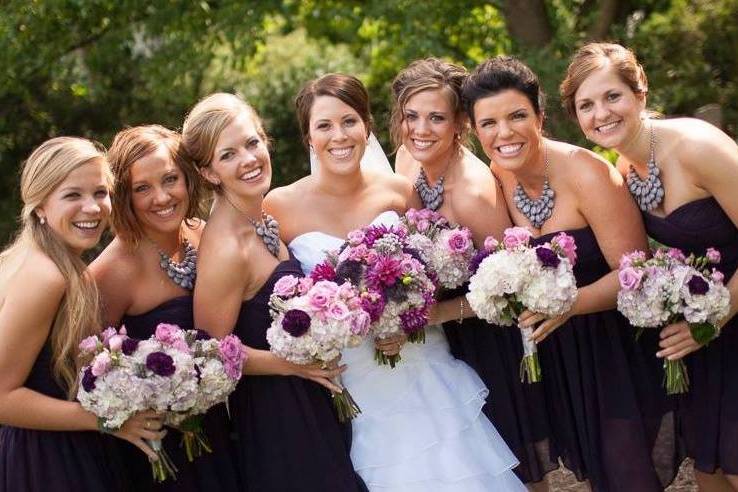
(142, 427)
(319, 373)
(676, 341)
(528, 319)
(391, 345)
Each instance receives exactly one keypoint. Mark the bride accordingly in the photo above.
(421, 426)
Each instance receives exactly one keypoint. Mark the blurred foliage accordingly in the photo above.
(92, 67)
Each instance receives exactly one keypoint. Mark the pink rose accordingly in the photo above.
(425, 214)
(717, 276)
(630, 278)
(233, 370)
(322, 295)
(354, 303)
(304, 285)
(713, 255)
(490, 243)
(423, 225)
(346, 291)
(181, 346)
(360, 322)
(168, 333)
(459, 241)
(285, 286)
(107, 333)
(89, 344)
(516, 236)
(356, 237)
(338, 311)
(232, 350)
(101, 364)
(358, 253)
(567, 245)
(116, 342)
(628, 259)
(412, 215)
(676, 254)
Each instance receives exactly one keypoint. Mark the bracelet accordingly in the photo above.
(461, 311)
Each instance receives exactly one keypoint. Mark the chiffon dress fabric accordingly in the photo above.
(494, 352)
(708, 412)
(421, 426)
(211, 471)
(611, 419)
(289, 434)
(58, 461)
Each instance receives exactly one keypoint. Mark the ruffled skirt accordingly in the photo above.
(422, 426)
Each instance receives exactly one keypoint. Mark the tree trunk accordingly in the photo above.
(527, 22)
(600, 27)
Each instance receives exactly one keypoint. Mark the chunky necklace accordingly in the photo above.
(431, 196)
(267, 229)
(648, 192)
(539, 210)
(182, 273)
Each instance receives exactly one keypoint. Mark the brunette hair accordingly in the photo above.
(131, 145)
(207, 120)
(78, 314)
(346, 88)
(592, 57)
(423, 75)
(499, 74)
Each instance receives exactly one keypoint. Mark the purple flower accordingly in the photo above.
(338, 311)
(304, 285)
(116, 342)
(698, 285)
(629, 259)
(89, 344)
(233, 354)
(107, 333)
(286, 286)
(515, 236)
(168, 333)
(373, 304)
(384, 272)
(459, 241)
(101, 363)
(630, 278)
(567, 245)
(322, 295)
(360, 322)
(356, 237)
(547, 257)
(717, 276)
(676, 254)
(88, 380)
(296, 322)
(160, 364)
(202, 335)
(490, 243)
(477, 259)
(323, 271)
(413, 320)
(713, 255)
(129, 346)
(349, 271)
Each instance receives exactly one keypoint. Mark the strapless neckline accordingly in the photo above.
(321, 233)
(679, 209)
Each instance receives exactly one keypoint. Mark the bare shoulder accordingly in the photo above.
(38, 276)
(582, 168)
(116, 265)
(701, 147)
(219, 248)
(285, 196)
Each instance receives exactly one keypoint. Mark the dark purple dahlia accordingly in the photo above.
(385, 271)
(413, 320)
(202, 335)
(477, 260)
(350, 271)
(129, 345)
(160, 364)
(373, 304)
(296, 322)
(698, 285)
(547, 257)
(88, 380)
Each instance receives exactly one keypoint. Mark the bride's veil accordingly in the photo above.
(374, 157)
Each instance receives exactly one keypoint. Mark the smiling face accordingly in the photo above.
(240, 163)
(607, 109)
(159, 197)
(429, 127)
(78, 209)
(337, 134)
(508, 129)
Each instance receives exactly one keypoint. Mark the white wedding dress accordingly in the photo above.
(421, 426)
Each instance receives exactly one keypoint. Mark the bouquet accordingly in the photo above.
(670, 287)
(445, 248)
(394, 287)
(126, 376)
(510, 276)
(312, 321)
(219, 365)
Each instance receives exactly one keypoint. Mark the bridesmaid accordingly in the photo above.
(603, 389)
(156, 202)
(48, 304)
(695, 166)
(429, 123)
(290, 438)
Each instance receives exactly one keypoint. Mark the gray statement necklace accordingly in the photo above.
(182, 273)
(431, 196)
(268, 231)
(539, 210)
(648, 192)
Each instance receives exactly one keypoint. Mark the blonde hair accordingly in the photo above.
(78, 313)
(593, 56)
(207, 120)
(131, 145)
(424, 75)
